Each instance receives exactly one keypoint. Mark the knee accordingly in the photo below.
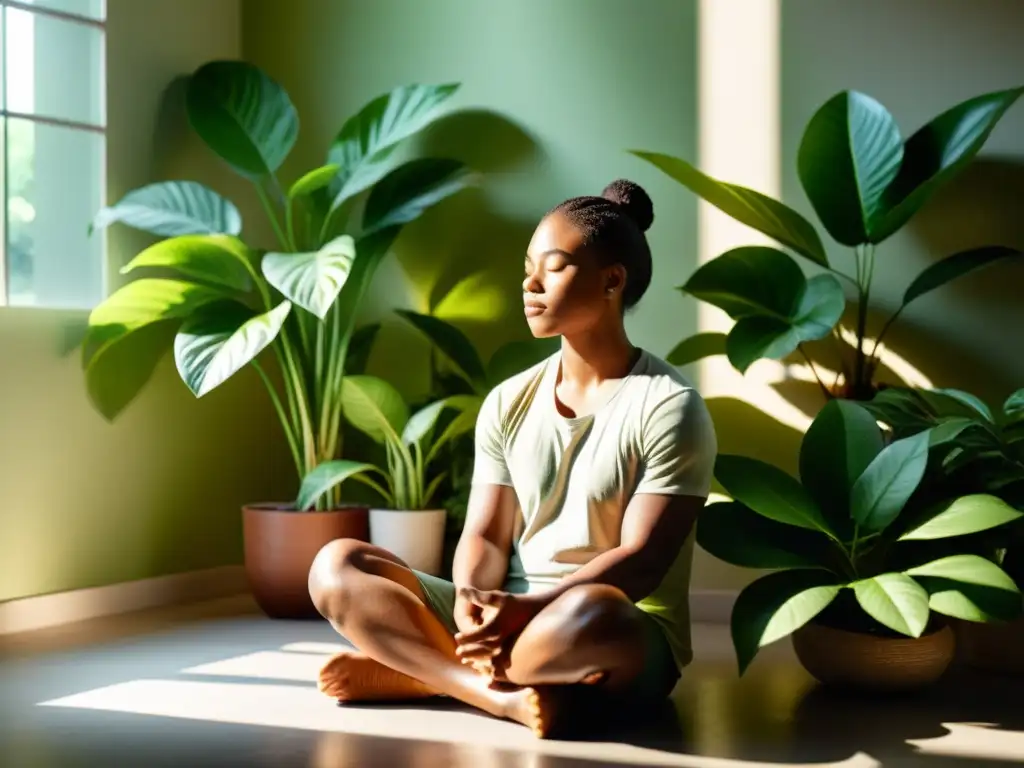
(596, 613)
(331, 572)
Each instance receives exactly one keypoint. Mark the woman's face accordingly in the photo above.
(565, 290)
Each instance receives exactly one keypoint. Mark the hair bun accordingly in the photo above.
(632, 197)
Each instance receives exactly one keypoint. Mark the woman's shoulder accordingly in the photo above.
(657, 374)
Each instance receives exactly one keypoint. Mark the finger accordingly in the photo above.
(477, 651)
(485, 634)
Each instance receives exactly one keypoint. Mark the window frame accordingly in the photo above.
(6, 115)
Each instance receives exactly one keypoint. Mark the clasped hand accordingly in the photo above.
(489, 622)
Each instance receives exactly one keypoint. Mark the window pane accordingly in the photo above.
(93, 9)
(54, 189)
(54, 67)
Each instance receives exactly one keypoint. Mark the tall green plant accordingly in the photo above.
(864, 182)
(855, 542)
(220, 302)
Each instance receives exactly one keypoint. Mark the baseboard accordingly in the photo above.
(30, 613)
(712, 606)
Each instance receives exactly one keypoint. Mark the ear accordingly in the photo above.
(614, 279)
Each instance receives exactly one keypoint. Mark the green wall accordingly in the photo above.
(553, 94)
(83, 502)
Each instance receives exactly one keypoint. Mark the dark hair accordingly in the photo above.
(614, 225)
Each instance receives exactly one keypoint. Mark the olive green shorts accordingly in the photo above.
(655, 681)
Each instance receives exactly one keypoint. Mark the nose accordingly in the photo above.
(531, 283)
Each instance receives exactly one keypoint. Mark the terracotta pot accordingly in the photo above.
(991, 647)
(857, 660)
(280, 545)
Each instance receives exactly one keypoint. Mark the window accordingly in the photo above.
(52, 152)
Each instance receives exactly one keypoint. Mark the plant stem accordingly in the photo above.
(865, 268)
(293, 372)
(824, 389)
(268, 206)
(289, 432)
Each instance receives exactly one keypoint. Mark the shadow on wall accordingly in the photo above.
(912, 354)
(463, 258)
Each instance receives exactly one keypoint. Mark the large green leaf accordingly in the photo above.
(820, 307)
(697, 347)
(879, 494)
(764, 214)
(956, 402)
(366, 141)
(952, 267)
(243, 115)
(221, 260)
(850, 152)
(938, 152)
(313, 279)
(734, 534)
(750, 280)
(422, 422)
(173, 208)
(468, 408)
(964, 515)
(901, 408)
(516, 356)
(374, 407)
(969, 587)
(769, 491)
(312, 181)
(220, 340)
(777, 605)
(410, 189)
(895, 600)
(326, 476)
(450, 342)
(839, 445)
(122, 366)
(1013, 406)
(141, 303)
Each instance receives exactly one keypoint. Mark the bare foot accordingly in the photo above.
(353, 676)
(537, 708)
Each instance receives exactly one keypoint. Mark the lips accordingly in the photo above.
(533, 308)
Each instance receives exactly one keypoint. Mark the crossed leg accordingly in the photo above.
(403, 650)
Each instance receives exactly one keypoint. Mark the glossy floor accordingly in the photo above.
(219, 685)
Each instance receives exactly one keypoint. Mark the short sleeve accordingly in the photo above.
(489, 465)
(679, 447)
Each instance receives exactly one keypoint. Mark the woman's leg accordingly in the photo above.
(375, 601)
(591, 634)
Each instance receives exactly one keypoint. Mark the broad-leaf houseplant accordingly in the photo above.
(288, 311)
(862, 557)
(864, 182)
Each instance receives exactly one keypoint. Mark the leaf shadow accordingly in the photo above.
(913, 354)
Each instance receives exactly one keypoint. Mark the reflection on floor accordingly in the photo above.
(219, 685)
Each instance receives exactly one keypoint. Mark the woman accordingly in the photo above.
(590, 470)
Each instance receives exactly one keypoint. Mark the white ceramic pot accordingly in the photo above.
(416, 536)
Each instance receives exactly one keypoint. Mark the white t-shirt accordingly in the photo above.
(574, 477)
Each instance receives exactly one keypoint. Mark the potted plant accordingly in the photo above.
(223, 304)
(865, 183)
(408, 525)
(984, 453)
(866, 564)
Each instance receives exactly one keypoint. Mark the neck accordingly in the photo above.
(600, 353)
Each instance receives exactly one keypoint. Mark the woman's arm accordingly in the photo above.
(482, 556)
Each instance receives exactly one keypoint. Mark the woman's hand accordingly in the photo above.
(495, 619)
